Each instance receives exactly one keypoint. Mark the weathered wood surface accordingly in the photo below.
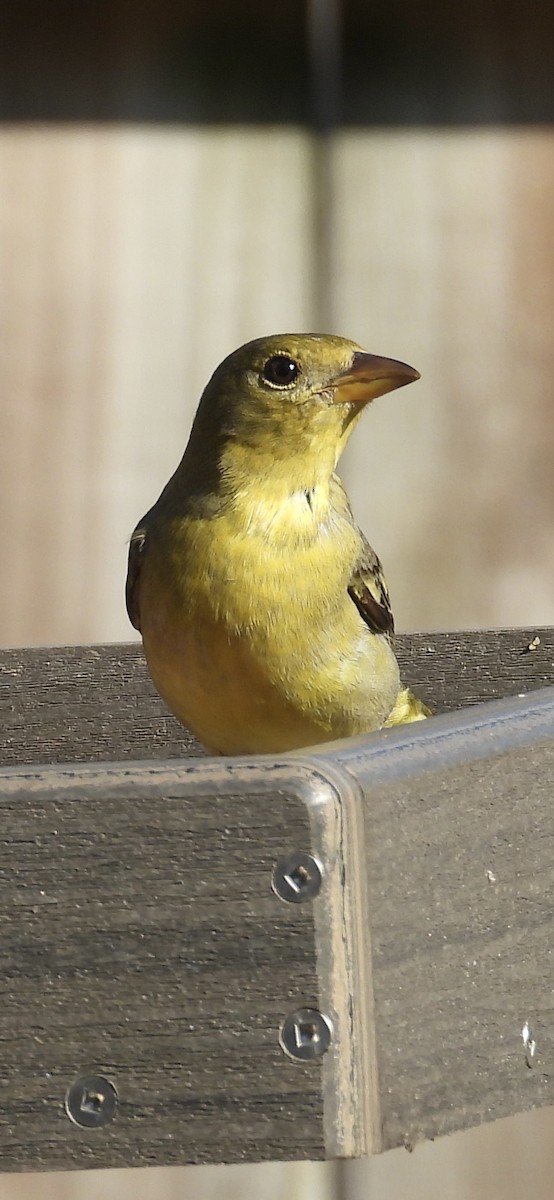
(142, 942)
(459, 866)
(95, 703)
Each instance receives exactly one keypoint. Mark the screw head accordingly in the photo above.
(91, 1101)
(297, 877)
(305, 1033)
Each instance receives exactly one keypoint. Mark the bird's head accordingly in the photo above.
(294, 396)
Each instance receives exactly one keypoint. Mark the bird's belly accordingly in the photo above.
(250, 690)
(211, 682)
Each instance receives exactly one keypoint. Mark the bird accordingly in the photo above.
(264, 612)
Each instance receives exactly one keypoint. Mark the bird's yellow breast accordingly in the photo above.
(250, 634)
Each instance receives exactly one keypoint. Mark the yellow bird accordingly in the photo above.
(263, 610)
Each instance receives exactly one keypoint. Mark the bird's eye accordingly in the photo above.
(280, 370)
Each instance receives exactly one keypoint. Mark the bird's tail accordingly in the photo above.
(407, 708)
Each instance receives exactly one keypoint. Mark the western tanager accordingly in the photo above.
(263, 610)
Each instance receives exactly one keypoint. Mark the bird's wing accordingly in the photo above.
(368, 590)
(136, 555)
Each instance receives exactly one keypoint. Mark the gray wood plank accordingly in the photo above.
(82, 704)
(455, 669)
(460, 874)
(142, 942)
(116, 882)
(96, 703)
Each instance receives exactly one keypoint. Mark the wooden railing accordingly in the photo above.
(324, 954)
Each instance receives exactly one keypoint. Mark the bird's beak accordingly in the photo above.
(369, 376)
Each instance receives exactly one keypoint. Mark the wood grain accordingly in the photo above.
(143, 942)
(460, 873)
(454, 670)
(95, 703)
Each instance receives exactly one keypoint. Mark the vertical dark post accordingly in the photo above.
(325, 50)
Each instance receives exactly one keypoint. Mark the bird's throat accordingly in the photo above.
(274, 498)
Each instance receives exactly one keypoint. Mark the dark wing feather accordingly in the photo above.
(368, 590)
(136, 556)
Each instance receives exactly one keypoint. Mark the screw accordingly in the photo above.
(297, 877)
(305, 1033)
(91, 1101)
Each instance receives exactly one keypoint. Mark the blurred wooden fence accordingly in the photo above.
(135, 255)
(133, 259)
